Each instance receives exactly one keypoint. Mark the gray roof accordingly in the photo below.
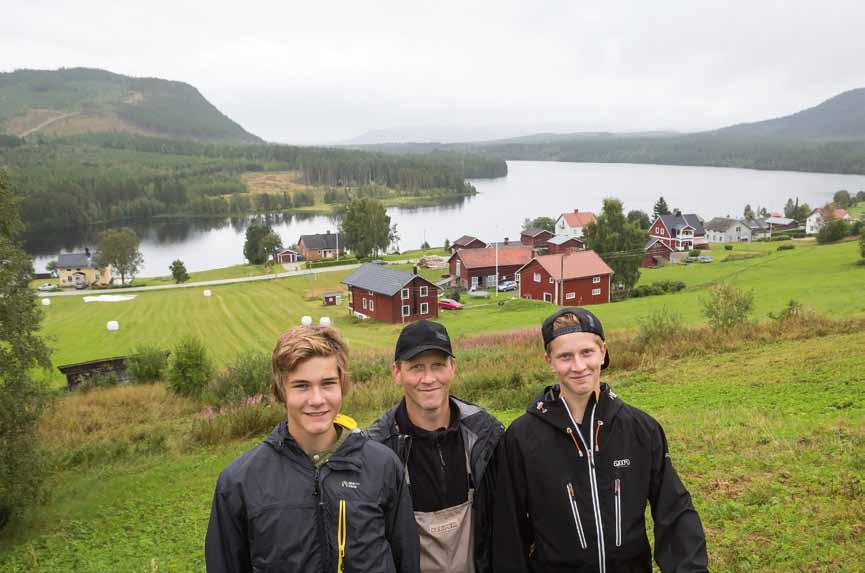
(562, 239)
(780, 221)
(681, 221)
(719, 224)
(76, 260)
(465, 240)
(377, 278)
(534, 231)
(320, 241)
(756, 224)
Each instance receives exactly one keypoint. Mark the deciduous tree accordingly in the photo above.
(841, 199)
(178, 271)
(366, 227)
(640, 218)
(618, 242)
(119, 248)
(545, 223)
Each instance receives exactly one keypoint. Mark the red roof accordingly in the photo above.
(575, 265)
(480, 258)
(579, 218)
(839, 213)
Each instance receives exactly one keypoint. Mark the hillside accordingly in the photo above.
(80, 100)
(840, 117)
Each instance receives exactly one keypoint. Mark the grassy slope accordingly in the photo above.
(251, 315)
(769, 440)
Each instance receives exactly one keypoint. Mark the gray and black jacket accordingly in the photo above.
(274, 511)
(480, 432)
(572, 497)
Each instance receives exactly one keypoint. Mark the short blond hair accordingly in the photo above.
(302, 343)
(567, 320)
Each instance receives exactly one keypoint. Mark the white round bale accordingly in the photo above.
(306, 321)
(46, 302)
(324, 321)
(113, 325)
(207, 292)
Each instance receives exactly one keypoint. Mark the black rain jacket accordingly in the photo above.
(273, 511)
(481, 432)
(572, 502)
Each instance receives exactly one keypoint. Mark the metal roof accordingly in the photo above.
(377, 278)
(562, 239)
(319, 241)
(76, 260)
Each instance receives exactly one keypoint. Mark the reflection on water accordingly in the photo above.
(531, 189)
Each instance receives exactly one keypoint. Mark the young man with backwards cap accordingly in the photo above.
(576, 471)
(447, 448)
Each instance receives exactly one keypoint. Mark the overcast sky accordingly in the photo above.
(322, 71)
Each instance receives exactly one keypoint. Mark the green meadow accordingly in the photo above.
(766, 424)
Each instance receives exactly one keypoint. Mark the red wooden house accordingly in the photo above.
(391, 295)
(533, 237)
(478, 267)
(672, 233)
(467, 242)
(321, 246)
(564, 244)
(567, 279)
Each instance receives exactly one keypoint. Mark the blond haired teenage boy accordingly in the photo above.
(578, 469)
(316, 495)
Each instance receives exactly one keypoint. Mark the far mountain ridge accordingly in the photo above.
(71, 101)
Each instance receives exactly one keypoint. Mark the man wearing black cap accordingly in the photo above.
(446, 446)
(576, 471)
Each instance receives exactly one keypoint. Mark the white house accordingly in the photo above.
(571, 224)
(724, 230)
(815, 220)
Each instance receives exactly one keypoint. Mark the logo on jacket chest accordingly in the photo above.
(350, 484)
(623, 463)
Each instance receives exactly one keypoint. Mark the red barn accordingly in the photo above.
(478, 268)
(656, 251)
(467, 242)
(535, 237)
(567, 279)
(564, 244)
(391, 295)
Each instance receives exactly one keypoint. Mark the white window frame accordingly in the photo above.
(570, 295)
(596, 280)
(552, 281)
(475, 282)
(404, 294)
(458, 266)
(537, 277)
(423, 291)
(491, 281)
(371, 305)
(406, 310)
(363, 303)
(596, 292)
(661, 232)
(424, 308)
(548, 297)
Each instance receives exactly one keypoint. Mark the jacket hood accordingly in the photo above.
(547, 406)
(385, 427)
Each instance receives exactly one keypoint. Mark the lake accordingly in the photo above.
(531, 189)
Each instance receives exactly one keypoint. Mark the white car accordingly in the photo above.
(47, 287)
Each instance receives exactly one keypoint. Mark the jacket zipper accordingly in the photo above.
(618, 512)
(341, 535)
(593, 482)
(576, 513)
(319, 515)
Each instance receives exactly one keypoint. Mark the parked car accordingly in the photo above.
(449, 304)
(47, 287)
(508, 285)
(690, 259)
(704, 259)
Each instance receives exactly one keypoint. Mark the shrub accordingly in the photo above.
(660, 325)
(727, 306)
(660, 287)
(791, 311)
(728, 247)
(785, 247)
(862, 243)
(146, 364)
(190, 368)
(248, 375)
(832, 231)
(454, 294)
(250, 417)
(694, 253)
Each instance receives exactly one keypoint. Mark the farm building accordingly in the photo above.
(477, 268)
(565, 279)
(533, 237)
(83, 371)
(467, 242)
(287, 256)
(391, 295)
(564, 244)
(320, 246)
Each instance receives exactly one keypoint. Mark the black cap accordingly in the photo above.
(421, 336)
(586, 322)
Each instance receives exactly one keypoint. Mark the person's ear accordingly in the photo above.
(394, 372)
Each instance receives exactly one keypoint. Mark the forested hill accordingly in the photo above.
(69, 182)
(81, 100)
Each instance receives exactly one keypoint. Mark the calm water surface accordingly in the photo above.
(531, 189)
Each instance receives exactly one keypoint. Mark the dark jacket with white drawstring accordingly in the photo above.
(273, 510)
(567, 501)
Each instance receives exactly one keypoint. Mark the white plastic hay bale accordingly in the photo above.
(324, 321)
(306, 321)
(113, 325)
(46, 302)
(207, 292)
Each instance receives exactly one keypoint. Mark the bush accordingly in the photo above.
(694, 253)
(661, 287)
(250, 417)
(248, 375)
(454, 294)
(727, 306)
(728, 247)
(190, 369)
(659, 326)
(792, 311)
(785, 247)
(832, 231)
(146, 364)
